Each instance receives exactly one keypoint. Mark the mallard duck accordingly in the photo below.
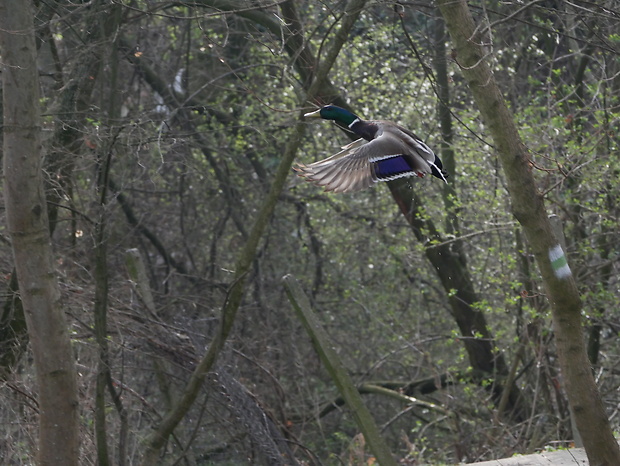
(384, 152)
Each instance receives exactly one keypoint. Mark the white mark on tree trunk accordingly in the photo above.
(558, 262)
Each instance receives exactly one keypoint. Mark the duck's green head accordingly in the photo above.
(331, 112)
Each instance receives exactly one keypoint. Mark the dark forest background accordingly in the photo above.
(163, 126)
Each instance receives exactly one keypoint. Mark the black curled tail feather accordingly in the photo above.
(437, 169)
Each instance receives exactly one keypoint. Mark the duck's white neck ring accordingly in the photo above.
(353, 122)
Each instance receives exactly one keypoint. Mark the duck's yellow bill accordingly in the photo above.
(315, 114)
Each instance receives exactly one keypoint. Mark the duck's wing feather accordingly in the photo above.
(415, 142)
(343, 172)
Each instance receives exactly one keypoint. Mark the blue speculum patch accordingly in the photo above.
(393, 166)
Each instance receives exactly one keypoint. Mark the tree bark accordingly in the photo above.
(529, 209)
(71, 103)
(28, 225)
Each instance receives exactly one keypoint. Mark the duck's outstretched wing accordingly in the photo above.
(343, 172)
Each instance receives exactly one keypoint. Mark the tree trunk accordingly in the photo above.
(27, 220)
(529, 209)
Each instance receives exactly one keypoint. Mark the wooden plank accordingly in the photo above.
(572, 457)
